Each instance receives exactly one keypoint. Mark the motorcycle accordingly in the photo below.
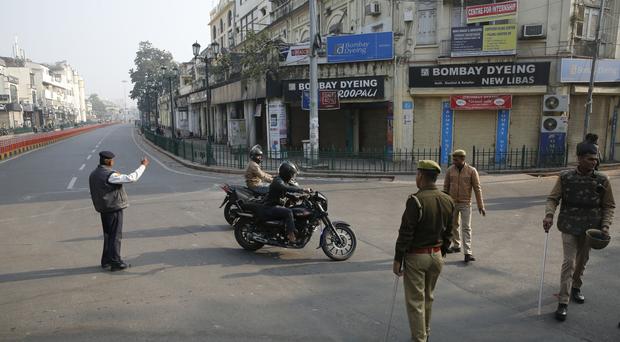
(235, 195)
(252, 231)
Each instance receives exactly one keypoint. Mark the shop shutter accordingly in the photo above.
(474, 128)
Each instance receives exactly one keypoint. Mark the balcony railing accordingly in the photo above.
(285, 8)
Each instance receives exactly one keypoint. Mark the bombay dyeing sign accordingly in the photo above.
(353, 88)
(480, 75)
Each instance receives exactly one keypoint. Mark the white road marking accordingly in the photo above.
(82, 167)
(162, 164)
(71, 183)
(93, 151)
(89, 156)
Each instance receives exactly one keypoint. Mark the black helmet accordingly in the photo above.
(287, 171)
(255, 153)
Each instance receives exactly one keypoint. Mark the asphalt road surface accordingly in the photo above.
(190, 280)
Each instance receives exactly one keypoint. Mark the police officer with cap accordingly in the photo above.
(109, 198)
(586, 202)
(423, 239)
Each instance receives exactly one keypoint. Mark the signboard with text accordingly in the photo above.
(447, 120)
(491, 12)
(351, 88)
(576, 70)
(360, 47)
(489, 40)
(328, 100)
(480, 102)
(479, 75)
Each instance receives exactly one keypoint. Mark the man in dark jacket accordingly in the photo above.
(586, 202)
(278, 190)
(109, 198)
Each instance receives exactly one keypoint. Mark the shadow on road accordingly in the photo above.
(514, 203)
(160, 232)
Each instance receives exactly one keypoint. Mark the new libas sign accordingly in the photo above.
(479, 75)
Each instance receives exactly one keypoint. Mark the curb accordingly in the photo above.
(310, 174)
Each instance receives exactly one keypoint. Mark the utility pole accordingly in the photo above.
(314, 82)
(586, 124)
(125, 99)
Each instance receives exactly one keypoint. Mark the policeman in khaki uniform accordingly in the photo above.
(586, 202)
(423, 239)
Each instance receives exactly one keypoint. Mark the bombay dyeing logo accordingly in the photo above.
(357, 48)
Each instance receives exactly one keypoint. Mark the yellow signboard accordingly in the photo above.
(499, 38)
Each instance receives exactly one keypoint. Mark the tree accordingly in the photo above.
(260, 55)
(147, 76)
(98, 105)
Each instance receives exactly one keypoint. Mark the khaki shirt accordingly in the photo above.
(459, 184)
(254, 175)
(426, 222)
(608, 203)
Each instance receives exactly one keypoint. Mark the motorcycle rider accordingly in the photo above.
(255, 177)
(280, 186)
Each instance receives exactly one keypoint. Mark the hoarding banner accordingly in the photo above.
(360, 47)
(491, 12)
(490, 40)
(480, 102)
(576, 70)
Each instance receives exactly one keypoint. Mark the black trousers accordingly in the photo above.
(281, 213)
(112, 233)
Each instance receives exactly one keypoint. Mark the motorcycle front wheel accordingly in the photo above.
(230, 212)
(242, 235)
(339, 250)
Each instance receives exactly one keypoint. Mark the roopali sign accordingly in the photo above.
(354, 88)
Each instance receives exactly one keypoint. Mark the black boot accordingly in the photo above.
(577, 296)
(119, 266)
(561, 312)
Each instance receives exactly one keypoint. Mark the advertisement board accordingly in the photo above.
(360, 47)
(488, 40)
(480, 102)
(577, 70)
(350, 88)
(491, 12)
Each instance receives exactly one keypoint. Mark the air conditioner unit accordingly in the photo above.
(373, 9)
(555, 103)
(532, 31)
(554, 124)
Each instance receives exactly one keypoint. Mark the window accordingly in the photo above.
(229, 18)
(427, 23)
(586, 22)
(247, 23)
(214, 32)
(13, 91)
(221, 25)
(32, 80)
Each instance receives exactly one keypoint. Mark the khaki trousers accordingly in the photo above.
(421, 274)
(576, 255)
(462, 220)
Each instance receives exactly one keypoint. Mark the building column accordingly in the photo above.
(250, 129)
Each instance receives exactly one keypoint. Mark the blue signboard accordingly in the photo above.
(501, 136)
(578, 70)
(305, 100)
(447, 121)
(552, 149)
(360, 47)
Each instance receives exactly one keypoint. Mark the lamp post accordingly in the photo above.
(125, 99)
(169, 77)
(212, 51)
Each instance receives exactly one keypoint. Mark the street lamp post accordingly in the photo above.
(212, 51)
(169, 77)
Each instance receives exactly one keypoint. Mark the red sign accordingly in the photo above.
(474, 102)
(491, 12)
(328, 99)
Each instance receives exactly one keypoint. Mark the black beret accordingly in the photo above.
(584, 148)
(106, 155)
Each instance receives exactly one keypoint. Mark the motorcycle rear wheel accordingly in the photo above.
(242, 228)
(339, 251)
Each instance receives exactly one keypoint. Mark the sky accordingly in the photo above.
(99, 38)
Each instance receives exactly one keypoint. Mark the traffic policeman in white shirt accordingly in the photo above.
(109, 198)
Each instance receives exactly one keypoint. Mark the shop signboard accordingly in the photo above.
(501, 136)
(480, 102)
(490, 12)
(328, 100)
(298, 54)
(360, 47)
(576, 70)
(488, 40)
(352, 88)
(447, 119)
(479, 75)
